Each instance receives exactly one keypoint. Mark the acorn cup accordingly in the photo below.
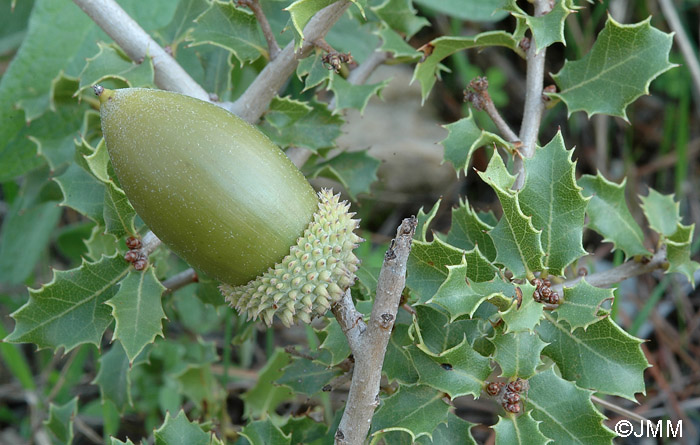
(228, 201)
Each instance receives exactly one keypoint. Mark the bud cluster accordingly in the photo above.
(508, 394)
(543, 292)
(135, 255)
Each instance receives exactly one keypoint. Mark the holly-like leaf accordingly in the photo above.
(435, 333)
(463, 139)
(312, 68)
(118, 213)
(180, 430)
(69, 311)
(393, 43)
(82, 192)
(401, 16)
(427, 267)
(114, 376)
(678, 252)
(335, 342)
(355, 170)
(581, 306)
(456, 430)
(424, 220)
(516, 239)
(97, 161)
(565, 411)
(519, 430)
(548, 28)
(307, 377)
(264, 432)
(304, 430)
(348, 95)
(265, 396)
(415, 409)
(301, 12)
(111, 63)
(468, 231)
(619, 68)
(54, 132)
(317, 129)
(603, 357)
(100, 244)
(232, 28)
(481, 11)
(428, 70)
(517, 353)
(398, 364)
(138, 312)
(183, 21)
(610, 216)
(524, 315)
(60, 421)
(457, 371)
(553, 199)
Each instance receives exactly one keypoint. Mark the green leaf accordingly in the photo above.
(581, 305)
(481, 11)
(609, 215)
(516, 239)
(307, 377)
(457, 371)
(565, 411)
(304, 429)
(464, 138)
(72, 299)
(393, 43)
(428, 70)
(455, 431)
(13, 24)
(603, 357)
(317, 129)
(183, 21)
(114, 376)
(424, 221)
(662, 212)
(115, 441)
(415, 409)
(82, 192)
(348, 95)
(265, 396)
(401, 16)
(553, 199)
(111, 63)
(264, 432)
(398, 364)
(100, 244)
(54, 133)
(118, 213)
(232, 28)
(60, 421)
(180, 430)
(618, 69)
(301, 12)
(334, 342)
(435, 333)
(678, 252)
(517, 353)
(548, 28)
(138, 312)
(97, 161)
(519, 430)
(468, 231)
(526, 315)
(26, 233)
(427, 267)
(355, 170)
(312, 67)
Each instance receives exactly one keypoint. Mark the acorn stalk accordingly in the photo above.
(227, 200)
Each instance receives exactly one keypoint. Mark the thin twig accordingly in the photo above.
(149, 243)
(689, 54)
(369, 345)
(477, 94)
(618, 409)
(272, 44)
(137, 44)
(180, 280)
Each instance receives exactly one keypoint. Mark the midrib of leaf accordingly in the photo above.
(550, 219)
(570, 334)
(517, 430)
(515, 237)
(119, 216)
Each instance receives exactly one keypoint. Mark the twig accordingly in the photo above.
(180, 280)
(87, 431)
(369, 345)
(683, 41)
(149, 243)
(272, 44)
(137, 44)
(256, 99)
(618, 409)
(534, 105)
(477, 94)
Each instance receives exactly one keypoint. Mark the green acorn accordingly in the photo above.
(226, 199)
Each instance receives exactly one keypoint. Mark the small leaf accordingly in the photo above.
(138, 312)
(82, 192)
(455, 431)
(97, 161)
(468, 231)
(398, 364)
(348, 95)
(415, 409)
(424, 221)
(312, 67)
(553, 199)
(435, 334)
(266, 395)
(264, 432)
(618, 69)
(609, 215)
(72, 299)
(464, 138)
(519, 430)
(118, 213)
(427, 267)
(581, 306)
(393, 43)
(548, 28)
(401, 16)
(317, 129)
(517, 241)
(481, 11)
(517, 353)
(60, 421)
(183, 21)
(662, 212)
(523, 316)
(180, 430)
(307, 377)
(111, 63)
(334, 342)
(603, 357)
(100, 244)
(355, 170)
(114, 376)
(565, 411)
(678, 252)
(301, 12)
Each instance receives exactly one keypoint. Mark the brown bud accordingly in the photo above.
(131, 256)
(133, 242)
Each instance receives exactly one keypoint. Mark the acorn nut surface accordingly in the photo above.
(227, 200)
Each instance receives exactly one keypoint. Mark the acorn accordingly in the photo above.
(228, 201)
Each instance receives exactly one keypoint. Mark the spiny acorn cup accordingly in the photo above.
(226, 199)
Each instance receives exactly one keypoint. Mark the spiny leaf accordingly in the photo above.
(401, 16)
(581, 305)
(524, 315)
(609, 215)
(355, 170)
(265, 396)
(348, 95)
(678, 252)
(427, 269)
(317, 129)
(603, 357)
(264, 432)
(111, 63)
(463, 139)
(183, 21)
(312, 68)
(517, 353)
(424, 220)
(481, 11)
(301, 12)
(180, 430)
(100, 244)
(306, 376)
(114, 376)
(553, 199)
(398, 364)
(565, 411)
(662, 212)
(468, 231)
(456, 430)
(138, 312)
(435, 333)
(69, 311)
(118, 213)
(97, 161)
(60, 421)
(548, 28)
(415, 409)
(334, 342)
(619, 68)
(517, 241)
(395, 44)
(519, 430)
(82, 192)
